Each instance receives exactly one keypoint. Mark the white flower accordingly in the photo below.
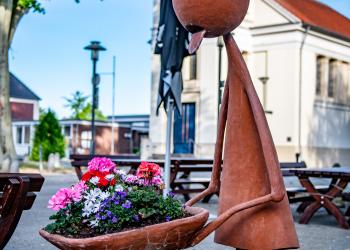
(96, 207)
(121, 172)
(88, 208)
(94, 223)
(119, 188)
(109, 177)
(94, 180)
(92, 195)
(104, 195)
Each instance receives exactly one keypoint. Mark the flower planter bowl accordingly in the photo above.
(177, 234)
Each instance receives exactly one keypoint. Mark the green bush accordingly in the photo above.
(47, 134)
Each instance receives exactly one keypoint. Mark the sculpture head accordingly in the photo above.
(210, 18)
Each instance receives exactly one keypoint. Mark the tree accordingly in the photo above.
(86, 114)
(48, 135)
(76, 103)
(11, 13)
(81, 110)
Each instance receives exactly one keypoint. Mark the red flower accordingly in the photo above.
(87, 176)
(103, 182)
(112, 182)
(148, 170)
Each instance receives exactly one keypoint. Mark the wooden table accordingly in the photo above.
(340, 179)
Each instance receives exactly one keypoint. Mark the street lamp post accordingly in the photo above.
(220, 44)
(95, 48)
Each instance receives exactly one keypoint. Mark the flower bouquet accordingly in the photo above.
(109, 209)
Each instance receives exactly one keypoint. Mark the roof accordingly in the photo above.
(319, 15)
(19, 90)
(130, 118)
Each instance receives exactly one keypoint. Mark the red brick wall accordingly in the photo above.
(22, 111)
(103, 140)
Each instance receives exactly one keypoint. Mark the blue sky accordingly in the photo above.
(47, 51)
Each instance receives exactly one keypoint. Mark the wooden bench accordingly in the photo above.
(16, 194)
(181, 180)
(346, 197)
(300, 194)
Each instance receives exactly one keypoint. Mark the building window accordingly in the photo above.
(19, 135)
(193, 67)
(67, 131)
(331, 78)
(85, 139)
(26, 135)
(319, 75)
(184, 129)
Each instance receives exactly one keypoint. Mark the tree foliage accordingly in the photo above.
(76, 103)
(48, 134)
(81, 110)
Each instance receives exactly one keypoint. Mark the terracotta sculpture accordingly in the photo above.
(254, 211)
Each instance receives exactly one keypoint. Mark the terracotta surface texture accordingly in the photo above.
(319, 15)
(190, 14)
(254, 211)
(176, 234)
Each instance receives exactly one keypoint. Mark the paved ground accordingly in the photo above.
(321, 233)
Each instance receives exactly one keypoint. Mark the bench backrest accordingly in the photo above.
(16, 195)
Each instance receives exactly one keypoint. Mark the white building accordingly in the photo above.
(298, 53)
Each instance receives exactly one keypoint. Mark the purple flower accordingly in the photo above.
(115, 220)
(103, 217)
(171, 194)
(127, 204)
(167, 218)
(136, 218)
(109, 214)
(122, 194)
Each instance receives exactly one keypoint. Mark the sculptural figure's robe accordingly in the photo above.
(244, 175)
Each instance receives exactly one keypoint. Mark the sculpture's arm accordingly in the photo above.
(214, 185)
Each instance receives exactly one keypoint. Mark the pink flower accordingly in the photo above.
(131, 179)
(101, 164)
(65, 196)
(77, 190)
(157, 181)
(61, 199)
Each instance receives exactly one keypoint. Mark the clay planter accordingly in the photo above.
(176, 234)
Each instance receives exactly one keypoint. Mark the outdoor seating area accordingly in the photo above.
(175, 124)
(309, 197)
(182, 173)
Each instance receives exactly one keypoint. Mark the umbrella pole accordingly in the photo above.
(167, 164)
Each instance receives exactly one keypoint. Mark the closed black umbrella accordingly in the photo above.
(172, 45)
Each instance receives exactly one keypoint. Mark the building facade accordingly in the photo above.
(117, 135)
(122, 136)
(24, 107)
(298, 54)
